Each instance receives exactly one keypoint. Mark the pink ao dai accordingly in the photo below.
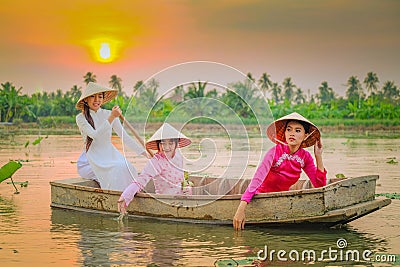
(167, 175)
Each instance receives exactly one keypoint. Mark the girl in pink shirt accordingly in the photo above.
(282, 165)
(165, 167)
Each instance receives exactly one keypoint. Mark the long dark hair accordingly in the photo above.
(86, 112)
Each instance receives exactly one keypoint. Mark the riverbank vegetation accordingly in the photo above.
(367, 102)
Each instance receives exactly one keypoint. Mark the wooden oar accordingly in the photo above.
(135, 134)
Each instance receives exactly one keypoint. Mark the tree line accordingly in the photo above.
(364, 99)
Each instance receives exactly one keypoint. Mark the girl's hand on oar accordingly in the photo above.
(116, 111)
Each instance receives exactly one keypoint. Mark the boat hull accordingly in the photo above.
(337, 203)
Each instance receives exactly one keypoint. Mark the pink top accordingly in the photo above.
(166, 173)
(279, 170)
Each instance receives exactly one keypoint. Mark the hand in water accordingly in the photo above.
(122, 209)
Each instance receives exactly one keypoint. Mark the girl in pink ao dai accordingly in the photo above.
(165, 167)
(283, 163)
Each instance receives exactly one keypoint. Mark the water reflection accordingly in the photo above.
(6, 207)
(46, 237)
(138, 242)
(7, 214)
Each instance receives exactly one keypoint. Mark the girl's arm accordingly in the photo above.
(318, 155)
(240, 216)
(150, 170)
(317, 174)
(127, 139)
(259, 175)
(87, 130)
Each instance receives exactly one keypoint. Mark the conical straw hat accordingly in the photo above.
(166, 131)
(94, 88)
(276, 130)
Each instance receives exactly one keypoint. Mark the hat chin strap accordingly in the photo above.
(279, 141)
(308, 135)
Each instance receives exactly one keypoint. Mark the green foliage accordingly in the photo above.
(392, 161)
(389, 195)
(186, 182)
(55, 121)
(22, 184)
(242, 98)
(37, 141)
(366, 105)
(249, 261)
(7, 170)
(162, 108)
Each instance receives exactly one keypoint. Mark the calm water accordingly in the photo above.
(33, 234)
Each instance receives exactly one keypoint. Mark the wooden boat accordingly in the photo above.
(215, 200)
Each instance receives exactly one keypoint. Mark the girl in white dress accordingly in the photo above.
(107, 165)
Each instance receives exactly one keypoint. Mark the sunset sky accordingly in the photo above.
(48, 45)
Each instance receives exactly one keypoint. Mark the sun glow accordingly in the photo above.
(105, 51)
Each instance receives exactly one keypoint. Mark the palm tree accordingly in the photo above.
(149, 93)
(137, 87)
(299, 96)
(41, 104)
(242, 98)
(178, 93)
(276, 92)
(196, 90)
(371, 82)
(326, 93)
(390, 90)
(57, 104)
(89, 77)
(265, 82)
(116, 83)
(52, 96)
(354, 90)
(75, 92)
(11, 101)
(202, 104)
(250, 77)
(289, 87)
(59, 93)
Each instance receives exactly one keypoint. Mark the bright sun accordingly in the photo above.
(105, 52)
